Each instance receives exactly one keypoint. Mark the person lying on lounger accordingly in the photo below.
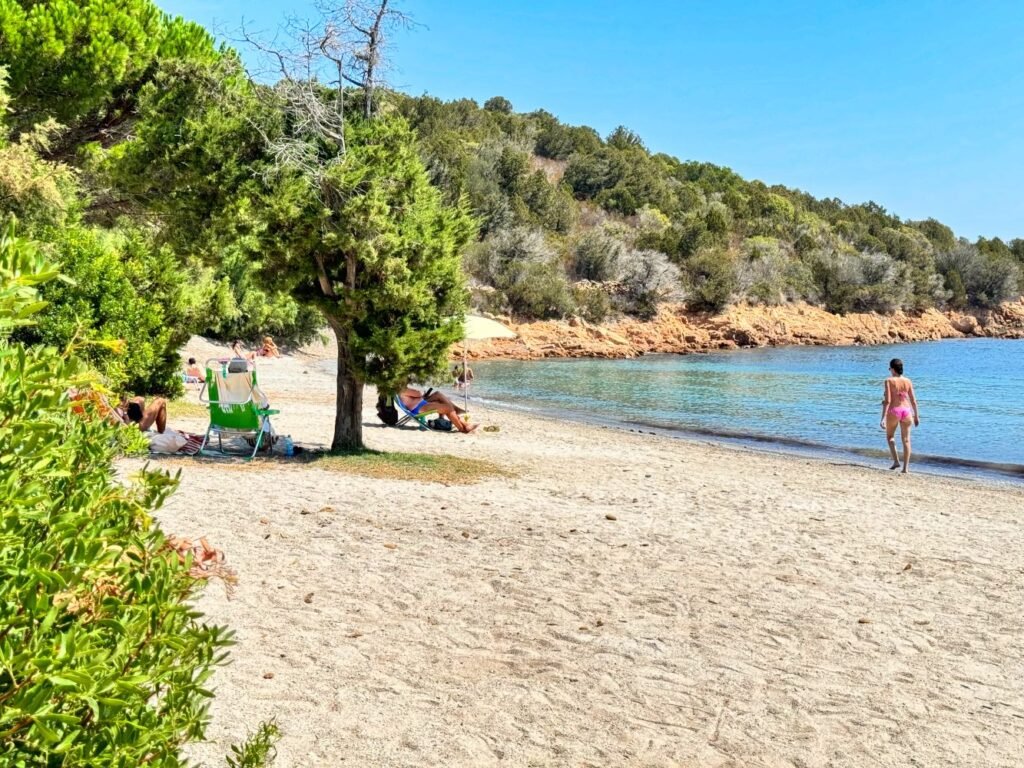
(437, 402)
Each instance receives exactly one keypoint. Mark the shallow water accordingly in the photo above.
(970, 392)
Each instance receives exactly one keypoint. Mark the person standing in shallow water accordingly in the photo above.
(899, 408)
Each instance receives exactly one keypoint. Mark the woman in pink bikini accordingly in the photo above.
(899, 406)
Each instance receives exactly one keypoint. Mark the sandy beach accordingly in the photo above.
(617, 600)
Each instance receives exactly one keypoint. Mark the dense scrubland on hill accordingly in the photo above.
(567, 222)
(573, 223)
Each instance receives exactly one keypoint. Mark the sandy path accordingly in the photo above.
(744, 609)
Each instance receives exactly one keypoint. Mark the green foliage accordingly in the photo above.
(977, 277)
(526, 272)
(1017, 250)
(34, 190)
(846, 280)
(103, 661)
(705, 212)
(768, 274)
(595, 256)
(198, 175)
(646, 278)
(406, 247)
(258, 750)
(498, 104)
(710, 279)
(593, 302)
(81, 61)
(623, 138)
(124, 302)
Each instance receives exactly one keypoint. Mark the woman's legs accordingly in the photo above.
(905, 435)
(440, 398)
(450, 412)
(891, 422)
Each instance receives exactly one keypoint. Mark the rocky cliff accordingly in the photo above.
(676, 330)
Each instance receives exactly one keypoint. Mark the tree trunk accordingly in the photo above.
(348, 415)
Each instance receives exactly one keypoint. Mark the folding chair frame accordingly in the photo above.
(263, 415)
(418, 414)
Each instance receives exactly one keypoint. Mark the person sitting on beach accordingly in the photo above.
(899, 406)
(193, 373)
(138, 413)
(238, 351)
(268, 348)
(438, 403)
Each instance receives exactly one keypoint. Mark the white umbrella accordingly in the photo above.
(480, 328)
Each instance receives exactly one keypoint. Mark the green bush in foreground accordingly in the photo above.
(102, 660)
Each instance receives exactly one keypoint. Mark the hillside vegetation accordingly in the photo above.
(575, 223)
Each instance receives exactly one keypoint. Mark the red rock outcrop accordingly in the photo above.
(676, 330)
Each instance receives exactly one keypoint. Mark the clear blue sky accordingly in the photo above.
(916, 105)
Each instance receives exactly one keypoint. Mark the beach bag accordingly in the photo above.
(386, 411)
(441, 424)
(167, 442)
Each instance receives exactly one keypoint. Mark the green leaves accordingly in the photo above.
(102, 661)
(80, 61)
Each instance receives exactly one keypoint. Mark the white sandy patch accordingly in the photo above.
(742, 609)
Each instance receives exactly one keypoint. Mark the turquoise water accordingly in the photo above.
(971, 395)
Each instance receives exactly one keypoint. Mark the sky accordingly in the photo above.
(917, 105)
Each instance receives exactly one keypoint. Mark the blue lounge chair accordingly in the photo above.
(418, 414)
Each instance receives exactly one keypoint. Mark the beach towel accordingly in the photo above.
(172, 441)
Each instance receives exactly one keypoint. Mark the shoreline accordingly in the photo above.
(675, 330)
(937, 466)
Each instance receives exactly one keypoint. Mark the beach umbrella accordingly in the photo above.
(479, 328)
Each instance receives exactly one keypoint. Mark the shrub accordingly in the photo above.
(126, 299)
(595, 256)
(852, 281)
(498, 104)
(985, 279)
(592, 302)
(646, 278)
(761, 273)
(103, 661)
(710, 279)
(520, 264)
(768, 273)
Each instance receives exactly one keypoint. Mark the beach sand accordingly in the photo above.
(622, 600)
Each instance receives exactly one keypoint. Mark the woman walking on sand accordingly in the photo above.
(899, 406)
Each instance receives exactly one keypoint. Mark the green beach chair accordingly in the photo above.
(238, 409)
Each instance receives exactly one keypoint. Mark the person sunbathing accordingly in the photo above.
(437, 402)
(146, 416)
(268, 348)
(193, 373)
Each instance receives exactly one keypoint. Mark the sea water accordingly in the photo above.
(970, 392)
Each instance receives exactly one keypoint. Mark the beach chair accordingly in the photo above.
(418, 414)
(238, 409)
